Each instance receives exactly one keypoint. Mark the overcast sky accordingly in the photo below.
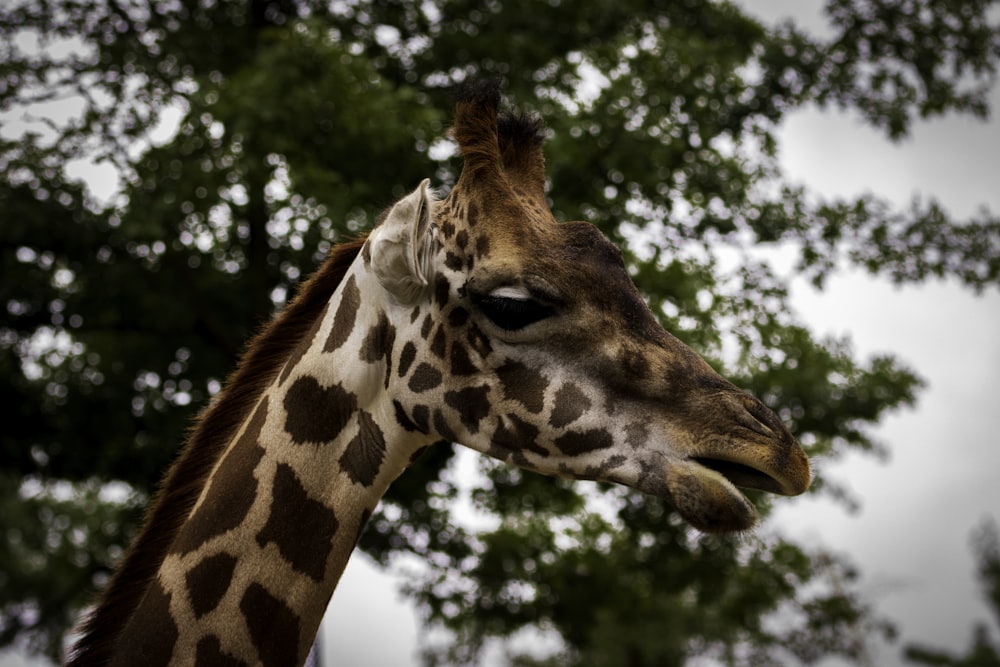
(910, 538)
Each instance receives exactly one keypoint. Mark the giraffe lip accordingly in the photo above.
(742, 475)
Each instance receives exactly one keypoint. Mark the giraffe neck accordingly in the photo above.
(251, 571)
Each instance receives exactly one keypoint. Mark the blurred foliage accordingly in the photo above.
(984, 649)
(248, 136)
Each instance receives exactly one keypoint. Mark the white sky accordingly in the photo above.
(911, 537)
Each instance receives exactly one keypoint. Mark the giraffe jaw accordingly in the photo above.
(706, 491)
(708, 499)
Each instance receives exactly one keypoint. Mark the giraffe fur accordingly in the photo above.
(477, 319)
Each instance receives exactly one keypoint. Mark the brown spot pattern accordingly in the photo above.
(471, 403)
(461, 364)
(231, 491)
(514, 434)
(208, 581)
(447, 228)
(296, 356)
(301, 527)
(317, 414)
(442, 290)
(363, 456)
(406, 358)
(401, 417)
(152, 632)
(479, 341)
(458, 317)
(575, 443)
(439, 342)
(274, 628)
(426, 377)
(523, 384)
(208, 653)
(442, 428)
(343, 321)
(482, 246)
(377, 345)
(421, 415)
(570, 404)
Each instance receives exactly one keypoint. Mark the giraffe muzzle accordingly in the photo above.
(753, 451)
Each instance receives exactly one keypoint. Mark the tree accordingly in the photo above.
(298, 120)
(984, 650)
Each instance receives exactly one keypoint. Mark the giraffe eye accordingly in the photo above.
(510, 313)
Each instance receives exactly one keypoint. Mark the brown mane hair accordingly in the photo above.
(215, 428)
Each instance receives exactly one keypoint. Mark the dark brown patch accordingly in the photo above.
(447, 228)
(317, 414)
(473, 215)
(460, 362)
(513, 434)
(453, 261)
(635, 365)
(479, 341)
(208, 653)
(417, 454)
(363, 456)
(231, 491)
(424, 378)
(421, 415)
(208, 581)
(425, 326)
(302, 528)
(274, 628)
(523, 384)
(296, 356)
(150, 634)
(438, 343)
(415, 314)
(442, 290)
(442, 428)
(575, 443)
(377, 345)
(406, 358)
(571, 403)
(458, 317)
(471, 403)
(482, 246)
(462, 239)
(402, 418)
(343, 321)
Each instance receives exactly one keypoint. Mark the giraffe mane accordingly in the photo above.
(213, 430)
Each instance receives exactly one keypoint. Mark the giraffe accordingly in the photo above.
(476, 319)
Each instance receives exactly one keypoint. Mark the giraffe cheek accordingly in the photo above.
(514, 435)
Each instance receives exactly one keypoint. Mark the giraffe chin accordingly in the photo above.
(707, 500)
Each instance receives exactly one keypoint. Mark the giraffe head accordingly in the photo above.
(526, 339)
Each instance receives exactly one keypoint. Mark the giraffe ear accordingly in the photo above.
(402, 246)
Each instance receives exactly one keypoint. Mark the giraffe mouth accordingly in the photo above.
(742, 475)
(706, 492)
